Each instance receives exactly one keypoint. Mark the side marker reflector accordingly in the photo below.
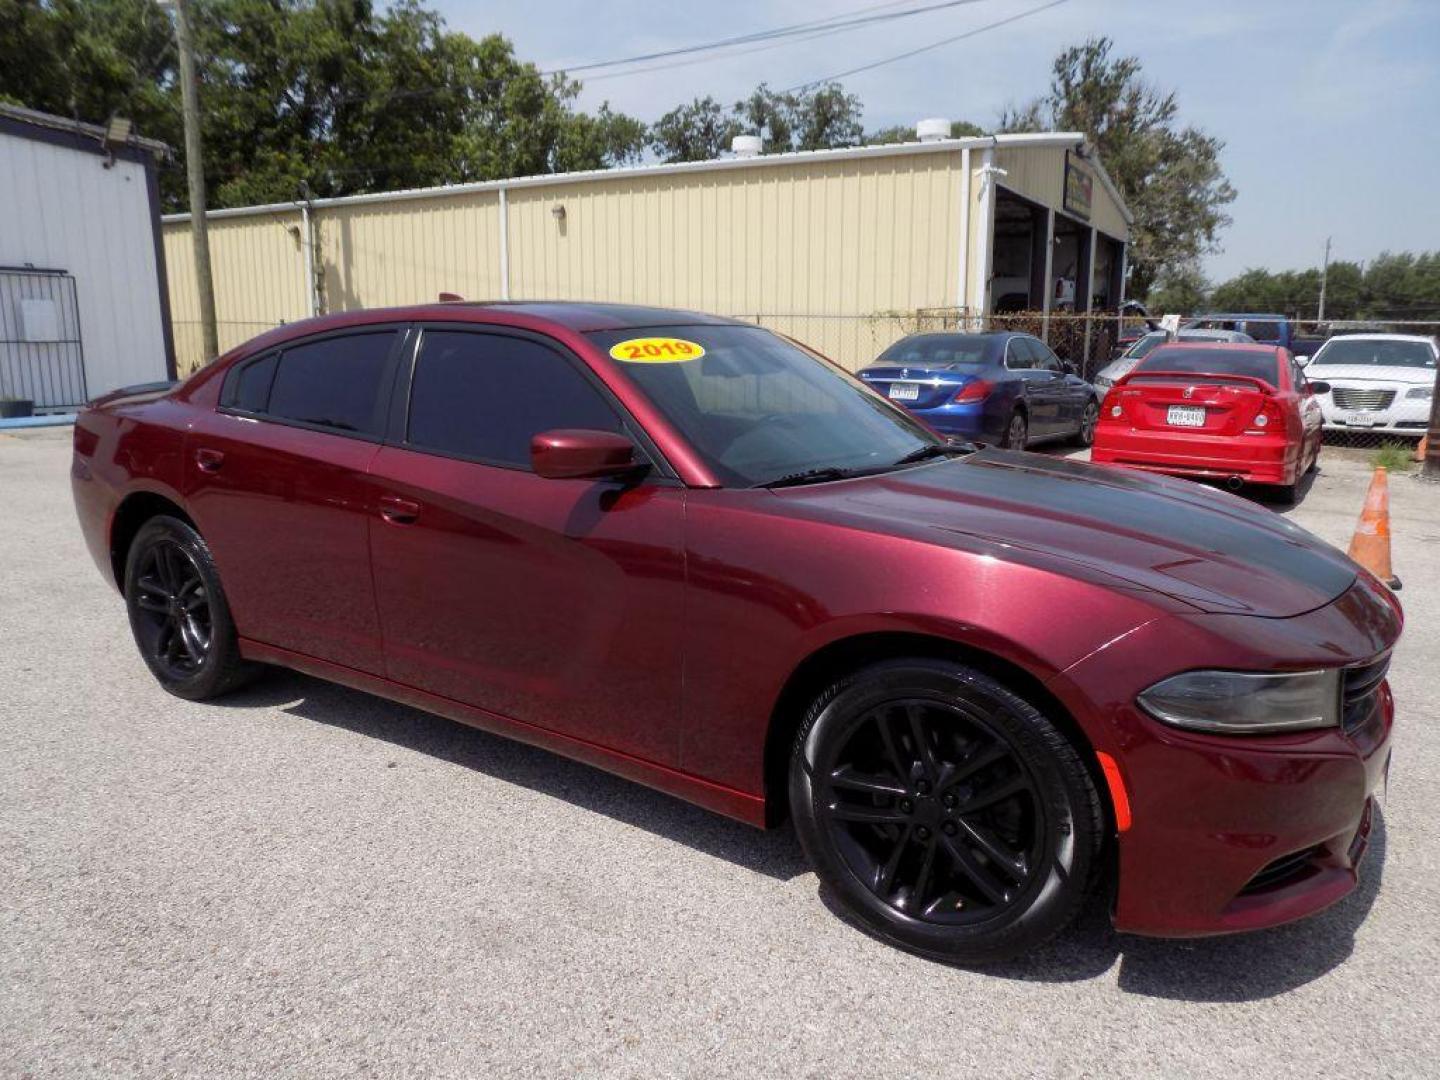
(1118, 797)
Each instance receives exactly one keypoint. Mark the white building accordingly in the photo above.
(84, 305)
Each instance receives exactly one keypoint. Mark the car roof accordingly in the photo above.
(1228, 346)
(589, 315)
(1382, 337)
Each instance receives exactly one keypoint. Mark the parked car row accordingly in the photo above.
(1378, 382)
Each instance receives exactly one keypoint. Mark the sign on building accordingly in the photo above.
(1079, 188)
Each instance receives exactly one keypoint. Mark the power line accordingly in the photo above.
(866, 16)
(924, 48)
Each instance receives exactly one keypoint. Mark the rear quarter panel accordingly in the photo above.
(121, 448)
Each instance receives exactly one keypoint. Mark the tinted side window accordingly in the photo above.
(247, 387)
(1042, 357)
(1017, 356)
(1263, 330)
(336, 383)
(484, 395)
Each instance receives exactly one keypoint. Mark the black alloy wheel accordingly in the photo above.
(1089, 420)
(1017, 432)
(947, 814)
(173, 621)
(178, 613)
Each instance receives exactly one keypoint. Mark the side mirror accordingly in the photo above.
(1319, 387)
(580, 454)
(1069, 368)
(1302, 360)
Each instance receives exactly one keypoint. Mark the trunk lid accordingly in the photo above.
(932, 386)
(1194, 404)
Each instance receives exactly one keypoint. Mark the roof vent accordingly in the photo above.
(933, 129)
(747, 146)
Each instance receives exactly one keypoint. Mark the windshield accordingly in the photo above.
(1142, 347)
(938, 351)
(1414, 354)
(1214, 361)
(757, 408)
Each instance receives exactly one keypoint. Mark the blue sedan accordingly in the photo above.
(1001, 388)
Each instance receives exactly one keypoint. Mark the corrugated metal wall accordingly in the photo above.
(62, 209)
(825, 250)
(1038, 173)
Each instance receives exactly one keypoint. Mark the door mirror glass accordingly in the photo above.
(581, 454)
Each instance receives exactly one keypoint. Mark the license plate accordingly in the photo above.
(1359, 419)
(1186, 416)
(904, 391)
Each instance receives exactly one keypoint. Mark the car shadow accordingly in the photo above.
(1245, 967)
(1233, 968)
(774, 852)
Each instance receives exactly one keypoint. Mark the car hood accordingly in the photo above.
(1122, 528)
(1370, 373)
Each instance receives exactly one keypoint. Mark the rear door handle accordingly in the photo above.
(208, 460)
(398, 511)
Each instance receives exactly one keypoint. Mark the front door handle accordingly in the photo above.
(398, 511)
(207, 460)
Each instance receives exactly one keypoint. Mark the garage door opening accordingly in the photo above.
(1017, 281)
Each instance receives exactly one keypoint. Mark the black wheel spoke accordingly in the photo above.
(999, 793)
(867, 815)
(922, 877)
(970, 867)
(885, 874)
(994, 851)
(978, 761)
(850, 779)
(190, 640)
(150, 602)
(900, 764)
(915, 715)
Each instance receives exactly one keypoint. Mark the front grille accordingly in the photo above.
(1358, 687)
(1353, 397)
(1282, 871)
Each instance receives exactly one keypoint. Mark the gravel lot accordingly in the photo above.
(307, 881)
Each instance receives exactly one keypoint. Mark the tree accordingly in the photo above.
(1179, 289)
(1169, 175)
(818, 119)
(321, 95)
(902, 133)
(1394, 287)
(700, 131)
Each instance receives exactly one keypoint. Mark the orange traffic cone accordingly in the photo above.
(1370, 546)
(1423, 447)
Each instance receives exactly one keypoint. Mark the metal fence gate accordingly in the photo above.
(41, 358)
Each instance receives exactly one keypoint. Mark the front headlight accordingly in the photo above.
(1424, 392)
(1235, 702)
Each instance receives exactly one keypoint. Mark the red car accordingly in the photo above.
(681, 548)
(1238, 413)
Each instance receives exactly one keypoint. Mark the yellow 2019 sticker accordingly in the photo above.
(656, 350)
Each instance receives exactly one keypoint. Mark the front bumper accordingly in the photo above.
(1256, 459)
(1237, 833)
(1404, 416)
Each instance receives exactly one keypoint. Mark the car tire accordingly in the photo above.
(178, 612)
(1089, 420)
(1017, 431)
(945, 813)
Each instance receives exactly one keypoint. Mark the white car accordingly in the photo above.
(1378, 382)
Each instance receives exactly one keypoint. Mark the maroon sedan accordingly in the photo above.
(681, 548)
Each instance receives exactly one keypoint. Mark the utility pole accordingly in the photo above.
(195, 174)
(1324, 273)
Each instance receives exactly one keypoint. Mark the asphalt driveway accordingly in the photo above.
(307, 881)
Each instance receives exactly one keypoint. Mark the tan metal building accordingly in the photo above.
(832, 246)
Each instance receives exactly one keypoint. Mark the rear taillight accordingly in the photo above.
(1267, 419)
(975, 390)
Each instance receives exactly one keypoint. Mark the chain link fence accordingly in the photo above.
(1381, 387)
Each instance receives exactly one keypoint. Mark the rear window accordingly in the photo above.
(939, 351)
(1215, 361)
(1414, 354)
(334, 383)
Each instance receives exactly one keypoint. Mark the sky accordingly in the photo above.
(1329, 109)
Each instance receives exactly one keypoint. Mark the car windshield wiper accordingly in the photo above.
(812, 476)
(930, 450)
